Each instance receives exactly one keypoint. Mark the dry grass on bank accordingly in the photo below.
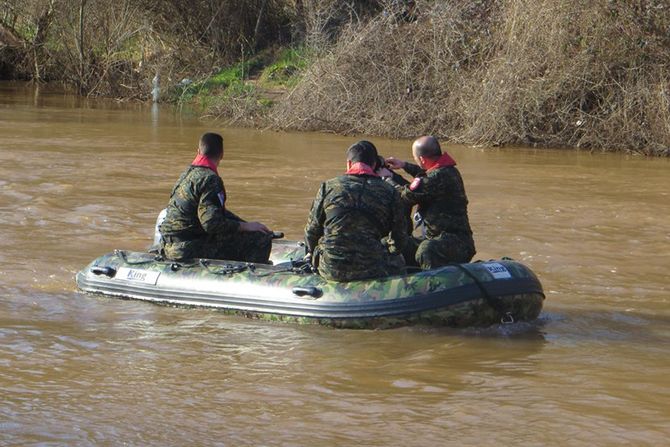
(548, 72)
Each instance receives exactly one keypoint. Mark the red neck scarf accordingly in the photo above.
(201, 160)
(444, 161)
(359, 168)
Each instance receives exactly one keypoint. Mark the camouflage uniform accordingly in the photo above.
(442, 203)
(349, 217)
(197, 225)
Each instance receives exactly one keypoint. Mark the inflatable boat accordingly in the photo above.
(473, 294)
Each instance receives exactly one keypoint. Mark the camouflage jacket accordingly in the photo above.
(350, 216)
(197, 207)
(441, 199)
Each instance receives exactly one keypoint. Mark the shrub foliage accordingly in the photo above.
(547, 72)
(486, 72)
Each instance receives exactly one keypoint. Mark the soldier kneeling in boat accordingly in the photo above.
(350, 216)
(197, 223)
(439, 192)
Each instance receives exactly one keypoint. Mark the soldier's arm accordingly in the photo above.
(315, 221)
(231, 215)
(413, 169)
(417, 191)
(211, 212)
(396, 180)
(411, 193)
(399, 232)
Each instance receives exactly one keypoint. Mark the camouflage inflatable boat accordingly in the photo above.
(474, 294)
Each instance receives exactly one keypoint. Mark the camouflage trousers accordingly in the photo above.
(437, 252)
(251, 246)
(344, 269)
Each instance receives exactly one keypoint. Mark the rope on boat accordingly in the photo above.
(230, 269)
(496, 304)
(297, 267)
(226, 269)
(122, 254)
(158, 259)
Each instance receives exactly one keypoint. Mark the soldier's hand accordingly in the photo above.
(394, 163)
(254, 226)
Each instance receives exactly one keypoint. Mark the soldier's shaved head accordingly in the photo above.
(363, 152)
(211, 145)
(426, 146)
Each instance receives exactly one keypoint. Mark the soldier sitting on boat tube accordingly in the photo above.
(350, 216)
(197, 223)
(439, 192)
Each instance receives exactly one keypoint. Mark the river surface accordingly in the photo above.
(79, 178)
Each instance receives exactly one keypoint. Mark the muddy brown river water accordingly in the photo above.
(79, 178)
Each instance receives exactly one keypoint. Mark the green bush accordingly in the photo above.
(287, 68)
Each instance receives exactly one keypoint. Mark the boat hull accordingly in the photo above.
(475, 294)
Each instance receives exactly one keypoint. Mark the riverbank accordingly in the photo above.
(546, 74)
(551, 73)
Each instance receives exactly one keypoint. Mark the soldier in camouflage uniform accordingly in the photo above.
(350, 216)
(438, 191)
(197, 224)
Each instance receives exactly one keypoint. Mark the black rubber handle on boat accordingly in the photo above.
(311, 291)
(107, 271)
(277, 235)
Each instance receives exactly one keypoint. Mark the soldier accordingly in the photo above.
(438, 191)
(197, 223)
(350, 216)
